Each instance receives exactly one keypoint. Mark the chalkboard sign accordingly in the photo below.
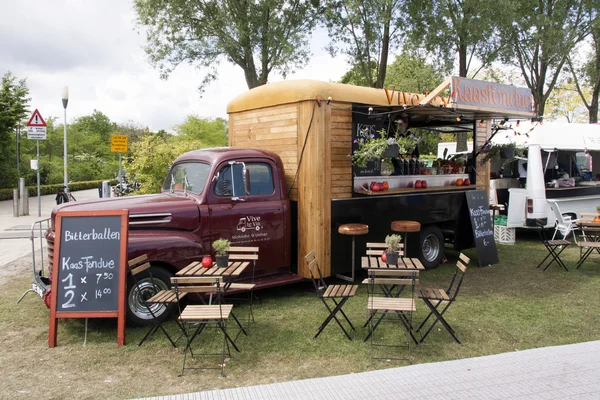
(481, 223)
(89, 268)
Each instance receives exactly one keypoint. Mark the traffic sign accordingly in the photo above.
(36, 119)
(119, 143)
(36, 132)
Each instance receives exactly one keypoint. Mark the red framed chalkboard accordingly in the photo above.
(89, 268)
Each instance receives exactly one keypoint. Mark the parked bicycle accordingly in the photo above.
(63, 196)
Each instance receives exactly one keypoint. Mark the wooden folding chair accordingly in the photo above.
(155, 300)
(199, 316)
(239, 253)
(554, 247)
(391, 309)
(338, 295)
(434, 298)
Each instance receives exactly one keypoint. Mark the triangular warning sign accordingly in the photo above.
(36, 119)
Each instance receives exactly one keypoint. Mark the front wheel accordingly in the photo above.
(137, 312)
(431, 248)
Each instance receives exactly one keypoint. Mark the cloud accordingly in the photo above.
(94, 48)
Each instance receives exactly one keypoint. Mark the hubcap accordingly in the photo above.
(138, 295)
(431, 248)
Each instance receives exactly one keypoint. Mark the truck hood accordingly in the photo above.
(159, 211)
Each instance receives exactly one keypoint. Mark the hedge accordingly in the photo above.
(7, 194)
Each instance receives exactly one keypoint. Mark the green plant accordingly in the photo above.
(393, 242)
(598, 209)
(221, 246)
(371, 147)
(494, 152)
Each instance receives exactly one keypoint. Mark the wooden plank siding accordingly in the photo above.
(274, 129)
(341, 149)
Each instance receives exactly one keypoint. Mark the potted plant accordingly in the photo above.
(393, 246)
(373, 147)
(387, 168)
(221, 247)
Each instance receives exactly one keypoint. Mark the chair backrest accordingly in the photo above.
(390, 279)
(564, 223)
(315, 272)
(376, 249)
(459, 272)
(244, 253)
(138, 264)
(199, 285)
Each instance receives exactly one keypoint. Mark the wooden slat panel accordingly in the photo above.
(137, 260)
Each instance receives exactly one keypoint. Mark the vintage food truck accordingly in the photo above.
(287, 182)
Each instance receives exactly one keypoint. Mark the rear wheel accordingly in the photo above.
(431, 247)
(137, 312)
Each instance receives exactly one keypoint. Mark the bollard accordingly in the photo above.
(25, 202)
(105, 188)
(22, 195)
(15, 202)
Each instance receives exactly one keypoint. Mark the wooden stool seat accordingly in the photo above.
(353, 229)
(406, 226)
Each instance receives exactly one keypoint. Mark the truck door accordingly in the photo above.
(249, 219)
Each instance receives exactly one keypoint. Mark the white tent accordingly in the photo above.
(551, 135)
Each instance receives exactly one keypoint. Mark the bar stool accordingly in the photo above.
(352, 230)
(406, 227)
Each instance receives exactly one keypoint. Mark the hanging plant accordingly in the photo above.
(371, 147)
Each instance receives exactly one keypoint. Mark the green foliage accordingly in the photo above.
(259, 36)
(393, 242)
(565, 102)
(372, 147)
(152, 156)
(14, 103)
(212, 132)
(365, 31)
(540, 35)
(446, 28)
(221, 246)
(412, 73)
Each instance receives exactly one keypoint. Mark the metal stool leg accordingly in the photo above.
(350, 278)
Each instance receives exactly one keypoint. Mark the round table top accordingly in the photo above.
(353, 229)
(406, 226)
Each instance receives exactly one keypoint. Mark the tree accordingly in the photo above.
(540, 36)
(412, 73)
(565, 102)
(151, 157)
(14, 103)
(260, 36)
(590, 71)
(210, 132)
(446, 28)
(364, 30)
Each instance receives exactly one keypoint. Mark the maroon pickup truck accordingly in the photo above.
(237, 194)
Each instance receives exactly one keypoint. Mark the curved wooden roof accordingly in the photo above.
(292, 91)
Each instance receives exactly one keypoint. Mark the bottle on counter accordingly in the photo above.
(411, 167)
(406, 165)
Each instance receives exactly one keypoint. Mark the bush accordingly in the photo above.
(7, 194)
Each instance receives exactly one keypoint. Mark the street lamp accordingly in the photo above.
(65, 101)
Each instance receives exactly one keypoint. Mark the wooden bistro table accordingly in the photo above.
(375, 263)
(591, 236)
(233, 270)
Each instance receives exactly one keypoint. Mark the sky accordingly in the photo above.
(95, 48)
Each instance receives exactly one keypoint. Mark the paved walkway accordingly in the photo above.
(561, 372)
(15, 231)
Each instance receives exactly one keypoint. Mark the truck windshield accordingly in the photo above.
(190, 176)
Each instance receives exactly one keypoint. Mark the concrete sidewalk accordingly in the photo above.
(15, 231)
(561, 372)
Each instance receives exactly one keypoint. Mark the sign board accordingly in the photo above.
(119, 143)
(481, 223)
(490, 96)
(89, 269)
(363, 126)
(36, 127)
(34, 164)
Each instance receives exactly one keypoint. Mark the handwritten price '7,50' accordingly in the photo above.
(106, 275)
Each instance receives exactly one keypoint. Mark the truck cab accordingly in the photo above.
(235, 194)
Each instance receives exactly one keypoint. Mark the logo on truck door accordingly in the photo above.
(249, 223)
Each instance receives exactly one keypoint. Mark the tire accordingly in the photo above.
(137, 313)
(431, 247)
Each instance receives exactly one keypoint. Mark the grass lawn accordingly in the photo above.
(511, 306)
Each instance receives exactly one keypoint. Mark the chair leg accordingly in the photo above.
(586, 254)
(439, 317)
(428, 316)
(556, 256)
(332, 315)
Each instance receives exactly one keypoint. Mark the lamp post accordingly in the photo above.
(65, 101)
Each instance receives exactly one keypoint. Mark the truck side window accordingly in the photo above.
(261, 180)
